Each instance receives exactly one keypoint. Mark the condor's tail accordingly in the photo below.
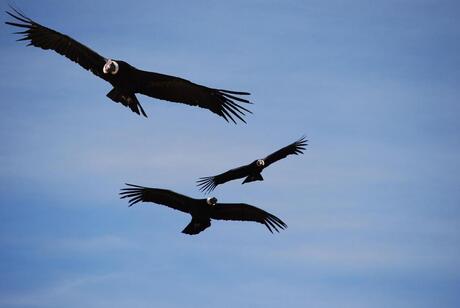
(253, 178)
(127, 99)
(197, 225)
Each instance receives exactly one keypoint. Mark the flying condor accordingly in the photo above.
(128, 80)
(251, 171)
(202, 210)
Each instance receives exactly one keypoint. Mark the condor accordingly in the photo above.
(128, 80)
(251, 172)
(202, 210)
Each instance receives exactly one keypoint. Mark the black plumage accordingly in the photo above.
(202, 210)
(128, 80)
(251, 172)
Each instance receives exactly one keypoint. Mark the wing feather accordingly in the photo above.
(207, 184)
(175, 89)
(294, 148)
(246, 212)
(46, 38)
(166, 197)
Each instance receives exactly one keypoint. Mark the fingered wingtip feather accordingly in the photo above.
(232, 119)
(135, 200)
(17, 25)
(204, 179)
(236, 106)
(128, 189)
(13, 8)
(223, 115)
(228, 107)
(130, 194)
(22, 32)
(28, 21)
(229, 96)
(275, 222)
(132, 185)
(268, 221)
(302, 139)
(234, 92)
(235, 114)
(206, 185)
(279, 221)
(268, 227)
(227, 116)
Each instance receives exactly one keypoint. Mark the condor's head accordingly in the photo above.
(260, 163)
(110, 67)
(211, 201)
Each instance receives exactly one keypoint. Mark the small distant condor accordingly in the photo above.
(128, 80)
(252, 171)
(202, 210)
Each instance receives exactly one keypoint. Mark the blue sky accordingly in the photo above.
(373, 207)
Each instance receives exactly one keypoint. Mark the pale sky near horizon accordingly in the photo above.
(372, 207)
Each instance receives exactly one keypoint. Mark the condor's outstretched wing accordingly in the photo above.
(156, 195)
(207, 184)
(294, 148)
(46, 38)
(246, 212)
(175, 89)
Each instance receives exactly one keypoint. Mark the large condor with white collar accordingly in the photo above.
(128, 80)
(201, 210)
(251, 172)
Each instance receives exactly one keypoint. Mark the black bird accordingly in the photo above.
(251, 171)
(128, 80)
(202, 210)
